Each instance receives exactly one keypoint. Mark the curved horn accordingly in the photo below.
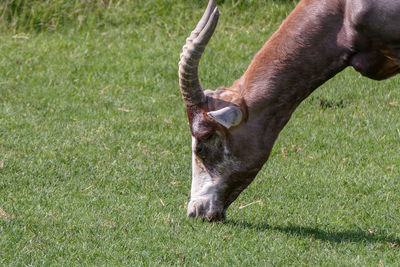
(189, 62)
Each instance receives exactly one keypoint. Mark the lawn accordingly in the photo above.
(95, 147)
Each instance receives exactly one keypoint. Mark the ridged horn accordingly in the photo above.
(189, 82)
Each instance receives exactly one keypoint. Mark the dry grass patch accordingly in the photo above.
(4, 215)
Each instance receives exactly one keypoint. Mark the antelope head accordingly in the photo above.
(226, 154)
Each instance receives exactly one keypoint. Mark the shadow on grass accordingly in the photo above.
(329, 236)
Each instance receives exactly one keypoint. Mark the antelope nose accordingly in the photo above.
(195, 209)
(192, 214)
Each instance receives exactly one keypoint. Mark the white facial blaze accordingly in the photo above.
(207, 191)
(202, 184)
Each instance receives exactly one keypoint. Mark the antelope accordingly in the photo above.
(234, 129)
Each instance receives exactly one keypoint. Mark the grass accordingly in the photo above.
(95, 148)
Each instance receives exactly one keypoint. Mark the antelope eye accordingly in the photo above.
(200, 150)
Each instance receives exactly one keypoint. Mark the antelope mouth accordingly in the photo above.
(206, 209)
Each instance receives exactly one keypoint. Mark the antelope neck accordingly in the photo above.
(309, 48)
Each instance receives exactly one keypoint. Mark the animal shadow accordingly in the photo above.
(358, 235)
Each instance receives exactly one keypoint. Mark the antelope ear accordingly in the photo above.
(228, 117)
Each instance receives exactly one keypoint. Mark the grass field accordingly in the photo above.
(95, 147)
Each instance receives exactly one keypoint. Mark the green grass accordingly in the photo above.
(95, 147)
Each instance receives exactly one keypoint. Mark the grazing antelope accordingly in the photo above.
(233, 129)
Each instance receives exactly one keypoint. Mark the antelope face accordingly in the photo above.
(210, 157)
